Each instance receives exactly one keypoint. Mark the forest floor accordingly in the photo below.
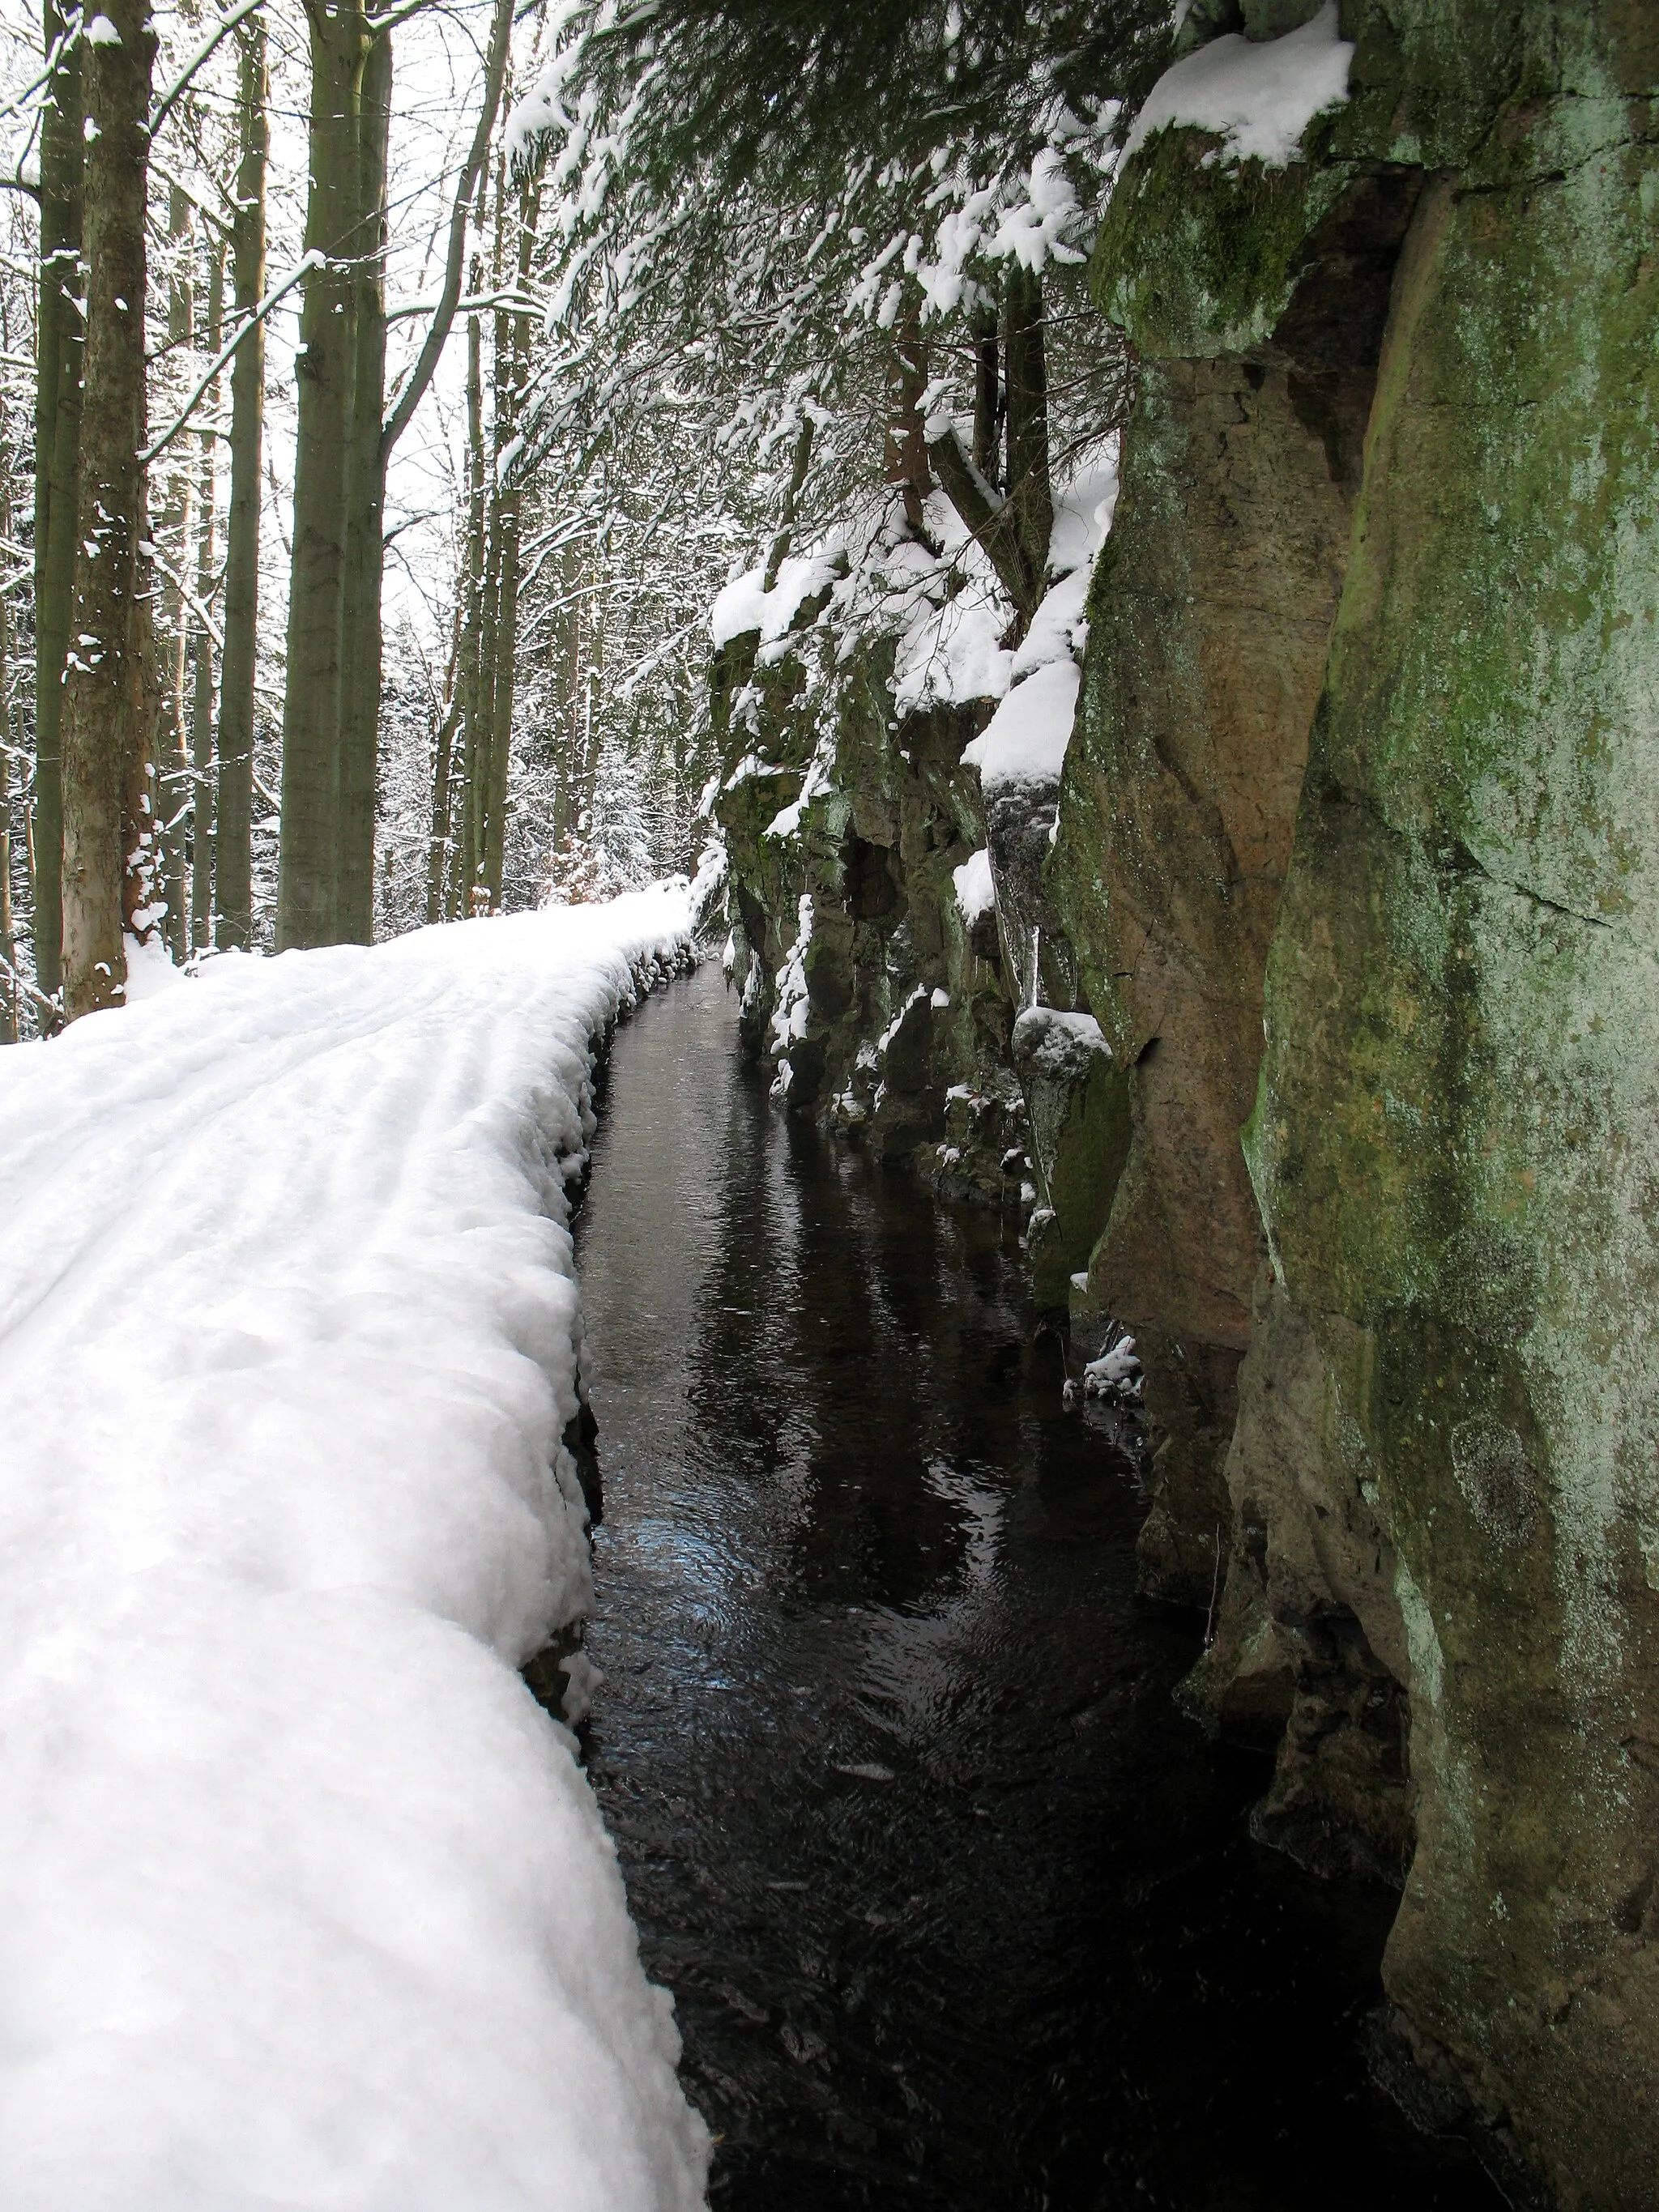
(303, 1898)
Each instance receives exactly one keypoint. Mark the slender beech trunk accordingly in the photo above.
(330, 723)
(201, 644)
(107, 792)
(592, 732)
(174, 524)
(142, 705)
(500, 741)
(7, 927)
(60, 337)
(442, 778)
(509, 502)
(482, 897)
(490, 596)
(1025, 354)
(360, 643)
(442, 781)
(567, 645)
(475, 741)
(306, 901)
(247, 409)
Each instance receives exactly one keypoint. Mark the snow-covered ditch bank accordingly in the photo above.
(303, 1900)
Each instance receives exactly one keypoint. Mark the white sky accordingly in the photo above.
(437, 85)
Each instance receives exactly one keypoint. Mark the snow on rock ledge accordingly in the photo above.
(975, 888)
(745, 603)
(1258, 97)
(1064, 1047)
(306, 1901)
(1024, 741)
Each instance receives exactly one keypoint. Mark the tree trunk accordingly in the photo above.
(475, 742)
(509, 501)
(7, 927)
(60, 343)
(438, 852)
(1014, 526)
(906, 465)
(987, 400)
(142, 705)
(203, 839)
(174, 525)
(372, 445)
(325, 371)
(592, 731)
(108, 793)
(247, 408)
(1027, 379)
(361, 644)
(489, 605)
(567, 648)
(781, 542)
(442, 760)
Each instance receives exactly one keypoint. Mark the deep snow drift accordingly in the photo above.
(303, 1900)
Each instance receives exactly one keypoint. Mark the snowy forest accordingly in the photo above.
(827, 901)
(473, 353)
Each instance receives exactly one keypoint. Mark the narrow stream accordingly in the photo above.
(957, 1910)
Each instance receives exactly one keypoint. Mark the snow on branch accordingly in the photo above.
(426, 363)
(221, 30)
(1257, 97)
(313, 260)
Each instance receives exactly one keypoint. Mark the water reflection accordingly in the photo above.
(956, 1911)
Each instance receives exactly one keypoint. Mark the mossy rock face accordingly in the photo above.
(1210, 614)
(1459, 1111)
(889, 816)
(1197, 257)
(1440, 540)
(1077, 1100)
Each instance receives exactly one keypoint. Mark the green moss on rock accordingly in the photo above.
(1197, 257)
(1458, 1111)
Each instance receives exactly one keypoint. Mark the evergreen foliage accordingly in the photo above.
(783, 91)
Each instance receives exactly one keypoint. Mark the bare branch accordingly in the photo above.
(987, 516)
(519, 302)
(224, 24)
(414, 391)
(307, 262)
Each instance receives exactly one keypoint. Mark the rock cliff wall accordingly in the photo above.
(1371, 748)
(879, 1000)
(892, 923)
(1356, 866)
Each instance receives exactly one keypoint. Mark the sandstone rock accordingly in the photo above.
(1210, 619)
(1392, 510)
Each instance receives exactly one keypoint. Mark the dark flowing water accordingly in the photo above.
(957, 1910)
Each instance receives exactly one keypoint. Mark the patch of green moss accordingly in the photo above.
(1082, 1153)
(1457, 1115)
(1197, 256)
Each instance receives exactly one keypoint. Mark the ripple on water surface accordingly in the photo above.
(956, 1909)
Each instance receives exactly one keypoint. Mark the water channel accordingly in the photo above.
(957, 1910)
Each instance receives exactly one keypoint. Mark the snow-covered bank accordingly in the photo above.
(303, 1900)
